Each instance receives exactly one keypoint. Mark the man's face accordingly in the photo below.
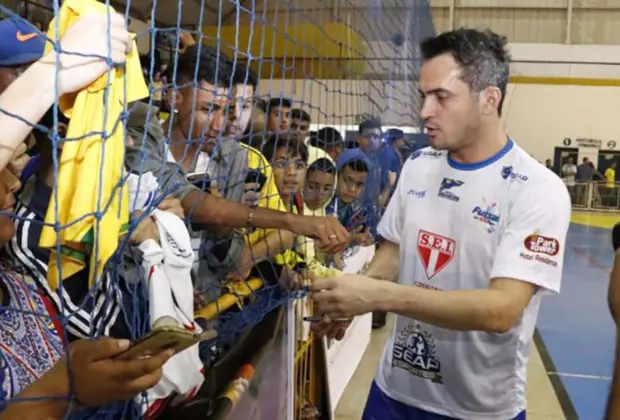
(279, 119)
(318, 188)
(350, 184)
(208, 112)
(370, 139)
(240, 111)
(450, 110)
(300, 126)
(289, 172)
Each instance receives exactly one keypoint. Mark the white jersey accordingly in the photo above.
(457, 227)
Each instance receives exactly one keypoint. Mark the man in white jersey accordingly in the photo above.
(476, 231)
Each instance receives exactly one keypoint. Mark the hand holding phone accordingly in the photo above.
(164, 338)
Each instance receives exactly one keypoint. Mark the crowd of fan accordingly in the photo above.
(260, 196)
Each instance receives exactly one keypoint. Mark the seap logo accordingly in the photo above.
(417, 193)
(509, 173)
(414, 352)
(542, 244)
(487, 215)
(446, 185)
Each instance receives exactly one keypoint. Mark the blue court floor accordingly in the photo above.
(576, 335)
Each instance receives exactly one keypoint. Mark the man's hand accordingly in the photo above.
(362, 237)
(332, 330)
(173, 205)
(146, 229)
(99, 379)
(346, 296)
(250, 195)
(330, 236)
(85, 47)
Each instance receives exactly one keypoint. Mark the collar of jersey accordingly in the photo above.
(483, 163)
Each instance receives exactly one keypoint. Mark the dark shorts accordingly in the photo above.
(381, 407)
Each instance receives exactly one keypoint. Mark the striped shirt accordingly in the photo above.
(89, 313)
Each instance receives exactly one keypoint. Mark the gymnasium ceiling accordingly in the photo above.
(587, 22)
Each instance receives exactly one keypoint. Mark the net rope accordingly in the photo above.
(336, 91)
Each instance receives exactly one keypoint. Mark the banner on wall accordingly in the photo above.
(592, 143)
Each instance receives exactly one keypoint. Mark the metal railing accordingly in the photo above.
(595, 196)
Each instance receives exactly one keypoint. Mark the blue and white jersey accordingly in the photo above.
(459, 226)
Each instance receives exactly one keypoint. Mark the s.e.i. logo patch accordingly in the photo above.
(542, 244)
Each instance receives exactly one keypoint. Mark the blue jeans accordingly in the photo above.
(381, 407)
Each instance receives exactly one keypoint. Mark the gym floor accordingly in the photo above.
(571, 365)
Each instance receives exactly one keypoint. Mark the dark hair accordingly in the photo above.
(327, 137)
(357, 165)
(482, 56)
(243, 74)
(291, 141)
(277, 103)
(300, 114)
(394, 134)
(323, 165)
(212, 66)
(369, 124)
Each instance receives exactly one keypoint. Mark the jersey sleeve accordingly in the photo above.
(531, 248)
(392, 222)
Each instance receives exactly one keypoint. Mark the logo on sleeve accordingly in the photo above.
(435, 252)
(542, 244)
(414, 352)
(448, 184)
(541, 249)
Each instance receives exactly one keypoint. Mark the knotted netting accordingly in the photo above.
(256, 103)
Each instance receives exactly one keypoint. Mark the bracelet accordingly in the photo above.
(250, 222)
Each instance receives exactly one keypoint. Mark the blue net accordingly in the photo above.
(256, 103)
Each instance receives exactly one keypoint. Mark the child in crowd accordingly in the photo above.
(318, 191)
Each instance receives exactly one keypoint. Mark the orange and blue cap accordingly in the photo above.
(20, 43)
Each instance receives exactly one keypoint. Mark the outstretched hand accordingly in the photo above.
(346, 296)
(330, 236)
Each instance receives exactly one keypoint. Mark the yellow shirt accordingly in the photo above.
(88, 173)
(610, 177)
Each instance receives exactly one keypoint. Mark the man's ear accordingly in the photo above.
(490, 99)
(174, 98)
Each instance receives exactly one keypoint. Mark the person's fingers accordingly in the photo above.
(132, 369)
(100, 349)
(142, 383)
(322, 285)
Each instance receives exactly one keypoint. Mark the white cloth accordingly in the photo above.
(141, 190)
(458, 226)
(170, 289)
(202, 166)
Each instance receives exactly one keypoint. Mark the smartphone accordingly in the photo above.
(164, 338)
(257, 177)
(200, 181)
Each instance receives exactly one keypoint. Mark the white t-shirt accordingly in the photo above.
(457, 227)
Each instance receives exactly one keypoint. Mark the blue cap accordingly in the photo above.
(20, 43)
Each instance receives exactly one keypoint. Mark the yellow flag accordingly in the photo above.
(91, 168)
